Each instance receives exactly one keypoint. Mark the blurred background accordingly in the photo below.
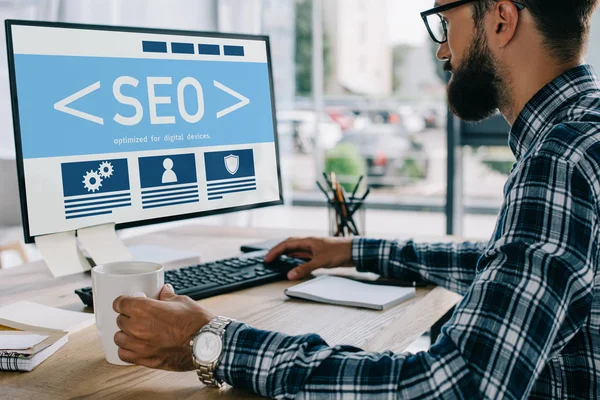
(359, 92)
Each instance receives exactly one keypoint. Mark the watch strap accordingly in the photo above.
(206, 372)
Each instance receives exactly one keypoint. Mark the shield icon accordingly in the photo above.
(232, 163)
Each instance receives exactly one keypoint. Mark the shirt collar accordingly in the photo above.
(543, 108)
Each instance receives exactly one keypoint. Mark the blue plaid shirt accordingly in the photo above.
(529, 322)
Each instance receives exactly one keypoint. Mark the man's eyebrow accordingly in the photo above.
(436, 4)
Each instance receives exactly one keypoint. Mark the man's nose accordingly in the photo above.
(443, 52)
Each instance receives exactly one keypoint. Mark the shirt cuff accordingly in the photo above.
(371, 255)
(240, 347)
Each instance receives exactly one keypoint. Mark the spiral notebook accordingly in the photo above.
(25, 350)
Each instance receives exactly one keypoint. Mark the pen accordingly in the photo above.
(349, 221)
(323, 190)
(342, 201)
(356, 187)
(337, 204)
(360, 202)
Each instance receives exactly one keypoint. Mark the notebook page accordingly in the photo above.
(20, 342)
(347, 290)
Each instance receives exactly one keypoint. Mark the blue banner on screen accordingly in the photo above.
(106, 104)
(168, 180)
(93, 188)
(229, 172)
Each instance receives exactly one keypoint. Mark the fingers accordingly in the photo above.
(124, 341)
(127, 355)
(167, 292)
(289, 246)
(127, 305)
(141, 348)
(124, 323)
(132, 357)
(135, 353)
(303, 270)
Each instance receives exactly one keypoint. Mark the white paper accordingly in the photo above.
(103, 245)
(28, 315)
(20, 342)
(61, 254)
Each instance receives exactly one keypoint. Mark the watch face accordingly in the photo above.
(207, 347)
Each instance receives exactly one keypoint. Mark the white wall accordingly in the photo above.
(593, 56)
(27, 10)
(358, 31)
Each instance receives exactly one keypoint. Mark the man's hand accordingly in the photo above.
(322, 252)
(157, 333)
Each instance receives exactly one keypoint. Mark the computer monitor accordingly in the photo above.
(137, 126)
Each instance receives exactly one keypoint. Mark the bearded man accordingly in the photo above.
(528, 325)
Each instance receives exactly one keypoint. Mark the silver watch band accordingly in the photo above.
(206, 372)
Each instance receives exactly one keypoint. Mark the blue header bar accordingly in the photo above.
(209, 49)
(96, 105)
(233, 50)
(182, 48)
(154, 47)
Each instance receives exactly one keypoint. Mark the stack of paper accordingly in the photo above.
(29, 316)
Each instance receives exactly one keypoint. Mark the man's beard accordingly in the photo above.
(475, 91)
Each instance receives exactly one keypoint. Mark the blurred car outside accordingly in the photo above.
(306, 133)
(411, 119)
(392, 157)
(342, 116)
(405, 115)
(434, 114)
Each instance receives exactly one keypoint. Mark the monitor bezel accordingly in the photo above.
(9, 23)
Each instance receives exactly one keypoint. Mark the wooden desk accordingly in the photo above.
(79, 370)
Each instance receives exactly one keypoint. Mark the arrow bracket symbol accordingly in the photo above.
(62, 105)
(244, 101)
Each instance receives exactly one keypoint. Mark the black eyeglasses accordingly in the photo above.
(436, 26)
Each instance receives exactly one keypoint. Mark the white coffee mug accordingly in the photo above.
(111, 280)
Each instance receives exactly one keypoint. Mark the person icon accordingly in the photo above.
(169, 176)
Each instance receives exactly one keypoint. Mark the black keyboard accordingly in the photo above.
(219, 277)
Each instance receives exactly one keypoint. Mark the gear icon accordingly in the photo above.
(92, 181)
(106, 169)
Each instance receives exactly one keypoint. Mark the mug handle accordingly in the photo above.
(138, 294)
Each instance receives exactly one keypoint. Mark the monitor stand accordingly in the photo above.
(68, 254)
(103, 245)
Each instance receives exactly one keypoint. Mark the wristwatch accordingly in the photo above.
(207, 347)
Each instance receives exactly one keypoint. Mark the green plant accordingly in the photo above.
(347, 163)
(504, 167)
(412, 168)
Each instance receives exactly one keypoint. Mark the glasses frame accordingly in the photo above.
(447, 7)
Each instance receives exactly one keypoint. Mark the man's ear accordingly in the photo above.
(505, 17)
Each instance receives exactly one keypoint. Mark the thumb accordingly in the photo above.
(167, 293)
(302, 270)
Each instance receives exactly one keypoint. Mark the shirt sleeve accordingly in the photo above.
(450, 265)
(531, 294)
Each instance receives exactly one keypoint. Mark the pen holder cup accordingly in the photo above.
(346, 218)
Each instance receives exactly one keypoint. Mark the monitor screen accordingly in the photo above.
(136, 126)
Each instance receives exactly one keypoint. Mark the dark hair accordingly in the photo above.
(564, 24)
